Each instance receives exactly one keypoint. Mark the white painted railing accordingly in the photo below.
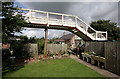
(50, 18)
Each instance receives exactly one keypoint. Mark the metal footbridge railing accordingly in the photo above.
(58, 20)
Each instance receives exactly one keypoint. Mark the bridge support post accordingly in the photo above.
(46, 40)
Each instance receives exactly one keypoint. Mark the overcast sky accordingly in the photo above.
(87, 11)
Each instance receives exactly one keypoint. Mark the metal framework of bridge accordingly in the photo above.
(50, 20)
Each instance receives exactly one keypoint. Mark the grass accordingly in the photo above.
(54, 68)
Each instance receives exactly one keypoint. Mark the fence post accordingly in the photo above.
(118, 58)
(105, 52)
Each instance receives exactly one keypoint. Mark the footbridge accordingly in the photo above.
(50, 20)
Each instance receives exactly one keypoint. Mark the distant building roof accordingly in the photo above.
(15, 38)
(78, 38)
(67, 37)
(5, 46)
(59, 40)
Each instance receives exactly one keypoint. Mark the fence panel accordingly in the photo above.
(54, 48)
(97, 47)
(33, 49)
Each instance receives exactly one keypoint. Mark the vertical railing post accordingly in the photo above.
(75, 21)
(96, 35)
(47, 19)
(30, 16)
(106, 35)
(86, 28)
(62, 19)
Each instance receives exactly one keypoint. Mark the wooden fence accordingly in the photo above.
(97, 47)
(53, 48)
(112, 56)
(32, 49)
(109, 50)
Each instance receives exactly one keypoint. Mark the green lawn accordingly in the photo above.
(54, 68)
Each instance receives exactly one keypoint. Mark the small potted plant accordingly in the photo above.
(51, 55)
(60, 51)
(45, 54)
